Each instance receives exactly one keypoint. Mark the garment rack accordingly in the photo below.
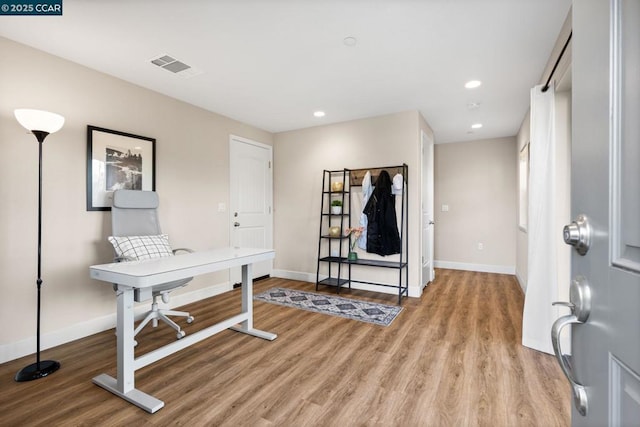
(339, 266)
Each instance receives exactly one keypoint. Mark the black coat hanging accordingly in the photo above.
(382, 227)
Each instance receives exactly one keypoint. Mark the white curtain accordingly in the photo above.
(542, 286)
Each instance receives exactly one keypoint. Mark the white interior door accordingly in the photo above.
(605, 181)
(428, 272)
(251, 186)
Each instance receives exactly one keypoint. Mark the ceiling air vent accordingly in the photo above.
(176, 67)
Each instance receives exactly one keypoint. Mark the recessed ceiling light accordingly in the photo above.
(476, 126)
(349, 41)
(472, 84)
(319, 114)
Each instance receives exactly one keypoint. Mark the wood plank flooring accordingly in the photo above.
(451, 358)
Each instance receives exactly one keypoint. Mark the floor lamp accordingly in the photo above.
(40, 124)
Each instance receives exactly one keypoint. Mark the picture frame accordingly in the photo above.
(117, 160)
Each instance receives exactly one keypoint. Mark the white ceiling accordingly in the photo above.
(272, 63)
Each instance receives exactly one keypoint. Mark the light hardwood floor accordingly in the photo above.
(451, 358)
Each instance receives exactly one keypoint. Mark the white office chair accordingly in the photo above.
(136, 235)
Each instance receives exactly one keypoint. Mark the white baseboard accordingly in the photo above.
(294, 275)
(484, 268)
(15, 350)
(311, 278)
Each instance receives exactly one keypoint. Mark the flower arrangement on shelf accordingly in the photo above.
(356, 232)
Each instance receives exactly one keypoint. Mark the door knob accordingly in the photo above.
(578, 234)
(236, 224)
(580, 305)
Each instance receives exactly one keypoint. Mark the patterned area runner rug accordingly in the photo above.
(371, 312)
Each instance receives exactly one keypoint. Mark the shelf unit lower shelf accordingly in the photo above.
(340, 283)
(369, 262)
(332, 281)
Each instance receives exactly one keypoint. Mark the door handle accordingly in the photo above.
(579, 392)
(580, 306)
(236, 224)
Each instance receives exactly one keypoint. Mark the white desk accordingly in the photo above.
(140, 276)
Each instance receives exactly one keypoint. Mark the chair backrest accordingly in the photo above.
(135, 213)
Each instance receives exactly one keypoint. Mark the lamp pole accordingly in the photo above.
(54, 122)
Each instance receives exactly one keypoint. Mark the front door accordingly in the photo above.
(251, 200)
(606, 191)
(428, 272)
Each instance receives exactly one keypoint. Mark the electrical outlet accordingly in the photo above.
(445, 208)
(480, 246)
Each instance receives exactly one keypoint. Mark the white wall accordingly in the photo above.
(192, 177)
(477, 181)
(300, 157)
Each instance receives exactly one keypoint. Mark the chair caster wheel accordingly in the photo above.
(181, 334)
(190, 319)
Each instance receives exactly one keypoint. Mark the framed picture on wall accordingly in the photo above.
(117, 160)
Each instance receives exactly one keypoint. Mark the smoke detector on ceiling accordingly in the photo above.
(171, 64)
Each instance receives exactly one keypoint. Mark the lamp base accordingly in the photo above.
(35, 370)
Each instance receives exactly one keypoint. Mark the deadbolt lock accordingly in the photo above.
(578, 234)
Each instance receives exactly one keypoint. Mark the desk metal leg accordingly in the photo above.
(246, 326)
(124, 385)
(124, 328)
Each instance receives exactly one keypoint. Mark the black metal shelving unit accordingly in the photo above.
(327, 220)
(334, 254)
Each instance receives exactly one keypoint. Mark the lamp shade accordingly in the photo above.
(38, 120)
